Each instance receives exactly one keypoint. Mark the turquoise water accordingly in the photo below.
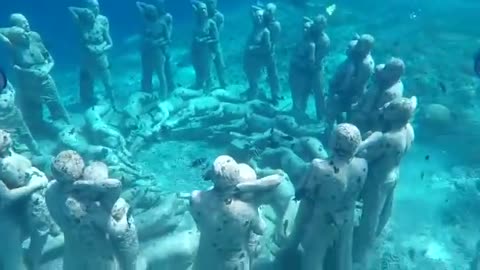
(435, 214)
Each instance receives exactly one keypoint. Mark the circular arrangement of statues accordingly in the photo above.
(328, 182)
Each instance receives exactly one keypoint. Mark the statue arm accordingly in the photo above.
(107, 35)
(108, 190)
(11, 196)
(3, 38)
(372, 147)
(304, 214)
(213, 34)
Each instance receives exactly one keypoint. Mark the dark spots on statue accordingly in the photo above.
(198, 213)
(359, 180)
(387, 145)
(246, 223)
(331, 163)
(219, 229)
(364, 170)
(336, 169)
(225, 221)
(215, 245)
(228, 201)
(242, 255)
(333, 197)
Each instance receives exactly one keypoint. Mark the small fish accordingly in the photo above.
(422, 175)
(3, 80)
(476, 63)
(331, 9)
(427, 157)
(443, 87)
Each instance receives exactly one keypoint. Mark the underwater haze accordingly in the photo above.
(240, 135)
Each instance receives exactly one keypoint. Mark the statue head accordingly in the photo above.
(84, 15)
(363, 45)
(149, 12)
(7, 99)
(19, 20)
(345, 140)
(200, 9)
(96, 171)
(226, 173)
(319, 23)
(398, 112)
(211, 5)
(68, 166)
(5, 141)
(258, 16)
(93, 6)
(246, 173)
(270, 11)
(390, 72)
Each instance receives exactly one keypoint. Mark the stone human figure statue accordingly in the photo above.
(227, 221)
(327, 195)
(114, 217)
(350, 80)
(95, 42)
(74, 204)
(20, 190)
(306, 67)
(258, 49)
(387, 86)
(204, 45)
(218, 60)
(275, 29)
(12, 121)
(384, 151)
(155, 46)
(32, 65)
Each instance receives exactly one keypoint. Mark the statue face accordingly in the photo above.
(258, 17)
(20, 20)
(94, 6)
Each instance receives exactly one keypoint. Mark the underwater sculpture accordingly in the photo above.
(95, 42)
(218, 61)
(327, 195)
(259, 55)
(384, 150)
(155, 47)
(74, 204)
(306, 67)
(350, 80)
(118, 222)
(22, 188)
(32, 65)
(388, 86)
(11, 120)
(227, 221)
(205, 45)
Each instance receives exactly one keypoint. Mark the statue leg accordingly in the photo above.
(365, 233)
(318, 93)
(387, 208)
(316, 246)
(53, 101)
(169, 73)
(32, 111)
(202, 65)
(252, 68)
(147, 70)
(220, 68)
(344, 245)
(87, 82)
(25, 134)
(299, 87)
(272, 74)
(37, 243)
(160, 61)
(106, 78)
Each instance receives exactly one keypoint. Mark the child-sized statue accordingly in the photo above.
(306, 67)
(115, 218)
(384, 151)
(205, 45)
(11, 120)
(327, 196)
(87, 245)
(258, 51)
(21, 181)
(32, 65)
(388, 86)
(350, 80)
(95, 43)
(156, 39)
(226, 222)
